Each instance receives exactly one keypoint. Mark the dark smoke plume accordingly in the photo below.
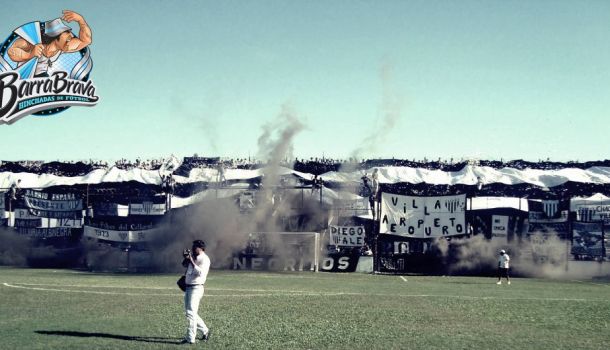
(13, 248)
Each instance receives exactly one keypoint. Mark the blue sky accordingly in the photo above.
(473, 79)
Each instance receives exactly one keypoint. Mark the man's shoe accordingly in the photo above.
(185, 341)
(508, 282)
(499, 282)
(206, 336)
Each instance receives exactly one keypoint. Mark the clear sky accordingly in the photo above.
(483, 79)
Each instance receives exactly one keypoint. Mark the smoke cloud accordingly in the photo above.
(220, 223)
(391, 112)
(546, 257)
(13, 248)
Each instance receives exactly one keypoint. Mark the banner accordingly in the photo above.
(587, 239)
(26, 218)
(45, 232)
(265, 262)
(117, 236)
(22, 213)
(544, 211)
(499, 225)
(423, 217)
(110, 209)
(123, 224)
(592, 209)
(347, 236)
(146, 208)
(43, 201)
(339, 263)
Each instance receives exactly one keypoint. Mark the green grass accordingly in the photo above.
(250, 310)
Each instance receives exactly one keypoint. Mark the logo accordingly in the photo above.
(45, 68)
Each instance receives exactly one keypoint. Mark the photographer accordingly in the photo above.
(197, 263)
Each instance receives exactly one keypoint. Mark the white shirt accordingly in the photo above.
(197, 274)
(503, 261)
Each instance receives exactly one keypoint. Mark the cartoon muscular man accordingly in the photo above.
(57, 38)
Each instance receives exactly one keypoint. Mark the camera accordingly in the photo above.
(186, 253)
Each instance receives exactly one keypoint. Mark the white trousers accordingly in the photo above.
(192, 297)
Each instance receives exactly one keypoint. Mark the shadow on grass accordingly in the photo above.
(161, 340)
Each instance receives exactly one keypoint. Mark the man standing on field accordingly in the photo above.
(198, 265)
(503, 264)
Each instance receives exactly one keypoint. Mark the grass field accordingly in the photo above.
(65, 309)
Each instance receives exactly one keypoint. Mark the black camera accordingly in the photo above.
(186, 253)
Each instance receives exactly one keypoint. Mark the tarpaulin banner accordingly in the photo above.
(595, 208)
(347, 236)
(117, 236)
(110, 209)
(423, 217)
(27, 217)
(45, 232)
(146, 208)
(588, 239)
(38, 200)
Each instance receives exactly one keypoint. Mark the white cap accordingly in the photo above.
(55, 27)
(502, 251)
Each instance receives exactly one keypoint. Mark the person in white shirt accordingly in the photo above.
(198, 266)
(503, 265)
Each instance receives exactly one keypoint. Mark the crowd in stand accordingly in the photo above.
(315, 166)
(149, 164)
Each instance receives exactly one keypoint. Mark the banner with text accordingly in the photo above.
(347, 236)
(38, 232)
(593, 212)
(26, 218)
(423, 217)
(128, 236)
(38, 200)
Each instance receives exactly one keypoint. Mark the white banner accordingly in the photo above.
(347, 236)
(499, 225)
(146, 208)
(423, 217)
(593, 213)
(117, 236)
(25, 214)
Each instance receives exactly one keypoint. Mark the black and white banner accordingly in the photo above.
(593, 212)
(110, 209)
(146, 208)
(39, 232)
(423, 217)
(587, 239)
(347, 236)
(127, 236)
(43, 201)
(26, 218)
(544, 211)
